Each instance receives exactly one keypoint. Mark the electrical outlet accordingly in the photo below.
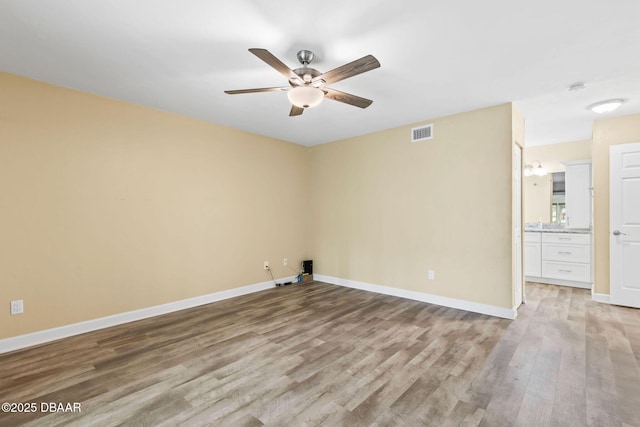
(17, 307)
(285, 262)
(266, 265)
(431, 275)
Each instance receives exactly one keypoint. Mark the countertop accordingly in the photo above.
(557, 230)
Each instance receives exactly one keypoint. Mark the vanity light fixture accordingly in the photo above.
(607, 106)
(530, 170)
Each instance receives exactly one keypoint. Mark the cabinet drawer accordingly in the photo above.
(531, 237)
(581, 239)
(566, 271)
(571, 253)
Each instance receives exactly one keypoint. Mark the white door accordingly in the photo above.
(624, 210)
(517, 231)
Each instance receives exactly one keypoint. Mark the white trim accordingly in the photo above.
(603, 298)
(506, 313)
(47, 335)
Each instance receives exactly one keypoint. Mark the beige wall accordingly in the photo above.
(607, 132)
(537, 190)
(384, 210)
(107, 207)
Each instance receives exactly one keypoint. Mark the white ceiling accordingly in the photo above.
(438, 57)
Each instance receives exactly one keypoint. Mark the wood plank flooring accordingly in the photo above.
(322, 355)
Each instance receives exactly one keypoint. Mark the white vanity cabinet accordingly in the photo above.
(566, 256)
(578, 194)
(558, 258)
(532, 254)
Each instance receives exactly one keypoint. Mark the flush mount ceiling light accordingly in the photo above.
(607, 106)
(530, 170)
(305, 96)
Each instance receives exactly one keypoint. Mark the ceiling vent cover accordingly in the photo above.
(422, 133)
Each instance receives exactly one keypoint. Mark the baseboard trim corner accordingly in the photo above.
(491, 310)
(603, 298)
(48, 335)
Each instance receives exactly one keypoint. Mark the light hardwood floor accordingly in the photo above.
(318, 354)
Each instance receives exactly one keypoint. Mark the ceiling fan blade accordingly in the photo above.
(359, 66)
(347, 98)
(261, 89)
(296, 111)
(275, 63)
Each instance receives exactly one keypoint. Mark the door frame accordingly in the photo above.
(518, 229)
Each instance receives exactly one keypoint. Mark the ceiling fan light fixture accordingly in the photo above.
(305, 96)
(607, 106)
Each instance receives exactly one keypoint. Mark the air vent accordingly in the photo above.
(422, 133)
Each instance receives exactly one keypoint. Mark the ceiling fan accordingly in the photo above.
(307, 86)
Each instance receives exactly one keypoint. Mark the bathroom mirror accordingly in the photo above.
(558, 207)
(545, 198)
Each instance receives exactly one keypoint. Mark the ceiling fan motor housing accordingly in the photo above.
(305, 57)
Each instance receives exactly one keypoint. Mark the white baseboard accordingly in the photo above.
(569, 283)
(40, 337)
(603, 298)
(506, 313)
